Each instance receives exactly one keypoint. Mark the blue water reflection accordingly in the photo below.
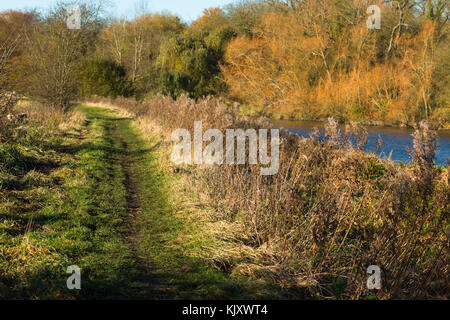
(395, 140)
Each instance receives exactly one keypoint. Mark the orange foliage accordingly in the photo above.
(296, 68)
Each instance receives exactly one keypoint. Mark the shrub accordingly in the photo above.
(104, 78)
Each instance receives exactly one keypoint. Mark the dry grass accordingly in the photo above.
(39, 112)
(330, 212)
(73, 121)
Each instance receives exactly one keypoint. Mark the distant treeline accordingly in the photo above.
(303, 59)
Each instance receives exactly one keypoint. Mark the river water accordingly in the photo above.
(395, 140)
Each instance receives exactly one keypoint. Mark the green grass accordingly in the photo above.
(249, 110)
(64, 202)
(80, 222)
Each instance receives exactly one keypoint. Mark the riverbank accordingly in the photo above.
(386, 142)
(438, 125)
(330, 212)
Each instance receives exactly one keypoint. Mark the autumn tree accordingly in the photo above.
(293, 50)
(311, 59)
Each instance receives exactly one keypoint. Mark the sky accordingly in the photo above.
(188, 10)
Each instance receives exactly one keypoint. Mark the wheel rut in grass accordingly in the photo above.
(129, 150)
(144, 264)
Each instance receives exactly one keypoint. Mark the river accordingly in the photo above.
(395, 140)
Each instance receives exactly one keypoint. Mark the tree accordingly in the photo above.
(135, 45)
(438, 12)
(403, 9)
(245, 15)
(7, 99)
(105, 78)
(55, 53)
(190, 63)
(311, 59)
(14, 26)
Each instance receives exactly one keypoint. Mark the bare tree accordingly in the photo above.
(13, 26)
(56, 51)
(7, 99)
(401, 7)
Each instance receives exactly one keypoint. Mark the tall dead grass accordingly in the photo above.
(331, 211)
(39, 112)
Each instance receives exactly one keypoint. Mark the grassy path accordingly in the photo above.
(121, 150)
(79, 208)
(97, 198)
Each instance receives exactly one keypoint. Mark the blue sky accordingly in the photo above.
(187, 9)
